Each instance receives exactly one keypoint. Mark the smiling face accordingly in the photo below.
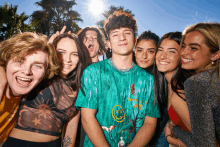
(145, 53)
(25, 75)
(195, 54)
(167, 56)
(91, 42)
(68, 49)
(121, 41)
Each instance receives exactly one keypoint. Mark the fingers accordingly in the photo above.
(63, 30)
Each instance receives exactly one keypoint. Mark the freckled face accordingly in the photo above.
(67, 48)
(25, 75)
(145, 53)
(168, 56)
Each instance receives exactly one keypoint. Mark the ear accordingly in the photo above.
(135, 40)
(109, 44)
(215, 56)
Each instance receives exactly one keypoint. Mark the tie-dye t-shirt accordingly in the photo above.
(122, 100)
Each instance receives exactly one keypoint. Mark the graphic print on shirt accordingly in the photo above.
(109, 130)
(118, 113)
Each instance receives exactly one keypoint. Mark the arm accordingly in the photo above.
(71, 131)
(145, 133)
(92, 128)
(170, 139)
(3, 81)
(181, 108)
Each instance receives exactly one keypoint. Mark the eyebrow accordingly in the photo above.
(196, 44)
(170, 48)
(147, 48)
(65, 50)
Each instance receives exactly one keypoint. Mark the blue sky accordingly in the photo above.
(159, 16)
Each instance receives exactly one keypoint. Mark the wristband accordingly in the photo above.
(168, 135)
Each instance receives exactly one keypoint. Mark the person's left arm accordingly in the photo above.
(145, 133)
(71, 131)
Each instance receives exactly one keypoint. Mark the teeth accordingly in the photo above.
(161, 62)
(187, 60)
(24, 79)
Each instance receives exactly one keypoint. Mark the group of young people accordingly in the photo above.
(54, 91)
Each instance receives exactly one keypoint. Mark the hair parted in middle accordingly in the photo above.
(148, 35)
(20, 45)
(118, 20)
(101, 38)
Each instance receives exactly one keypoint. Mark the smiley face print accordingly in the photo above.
(118, 113)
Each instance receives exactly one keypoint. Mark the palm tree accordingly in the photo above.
(54, 15)
(10, 22)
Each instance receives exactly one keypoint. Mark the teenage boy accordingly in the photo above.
(117, 101)
(94, 40)
(26, 59)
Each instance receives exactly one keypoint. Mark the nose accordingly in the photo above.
(121, 36)
(163, 55)
(184, 51)
(26, 69)
(144, 55)
(67, 58)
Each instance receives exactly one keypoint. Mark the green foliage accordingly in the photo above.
(10, 22)
(54, 15)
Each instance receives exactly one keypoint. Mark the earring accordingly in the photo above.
(213, 62)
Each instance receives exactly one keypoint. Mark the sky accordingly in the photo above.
(159, 16)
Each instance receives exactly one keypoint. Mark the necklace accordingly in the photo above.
(123, 70)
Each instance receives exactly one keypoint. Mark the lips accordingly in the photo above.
(23, 82)
(185, 60)
(143, 61)
(90, 48)
(67, 65)
(123, 44)
(163, 62)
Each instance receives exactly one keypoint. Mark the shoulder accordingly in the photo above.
(143, 75)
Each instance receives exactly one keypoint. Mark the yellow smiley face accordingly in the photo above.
(118, 113)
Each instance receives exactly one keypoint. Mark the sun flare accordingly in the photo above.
(96, 7)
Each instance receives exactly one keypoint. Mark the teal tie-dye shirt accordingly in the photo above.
(122, 100)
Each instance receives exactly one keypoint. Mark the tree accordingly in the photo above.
(54, 15)
(10, 22)
(106, 15)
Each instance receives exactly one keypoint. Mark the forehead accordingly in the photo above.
(194, 37)
(91, 33)
(146, 43)
(167, 43)
(122, 29)
(67, 44)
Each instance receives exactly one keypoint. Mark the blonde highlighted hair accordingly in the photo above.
(21, 45)
(211, 32)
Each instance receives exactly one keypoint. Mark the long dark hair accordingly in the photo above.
(73, 78)
(178, 78)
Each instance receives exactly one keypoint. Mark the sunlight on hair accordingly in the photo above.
(96, 8)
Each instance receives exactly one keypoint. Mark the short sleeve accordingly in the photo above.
(151, 108)
(87, 96)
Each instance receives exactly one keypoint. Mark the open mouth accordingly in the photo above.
(90, 48)
(163, 63)
(24, 82)
(184, 61)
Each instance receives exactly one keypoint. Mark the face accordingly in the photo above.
(145, 53)
(195, 53)
(121, 41)
(67, 48)
(168, 56)
(25, 75)
(91, 42)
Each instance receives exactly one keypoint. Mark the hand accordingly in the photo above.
(167, 129)
(57, 33)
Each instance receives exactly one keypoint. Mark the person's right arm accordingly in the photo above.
(92, 128)
(3, 82)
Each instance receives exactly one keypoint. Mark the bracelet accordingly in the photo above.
(168, 135)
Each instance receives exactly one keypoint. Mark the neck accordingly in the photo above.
(95, 59)
(8, 92)
(168, 76)
(122, 62)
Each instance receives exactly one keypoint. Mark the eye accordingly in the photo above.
(39, 66)
(74, 54)
(194, 48)
(159, 49)
(61, 52)
(151, 52)
(138, 50)
(173, 52)
(114, 35)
